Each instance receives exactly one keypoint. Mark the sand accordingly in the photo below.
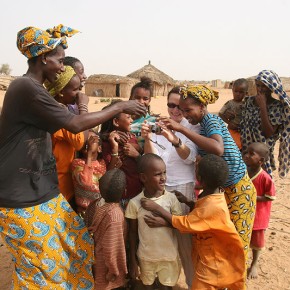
(274, 266)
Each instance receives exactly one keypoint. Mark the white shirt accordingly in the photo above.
(178, 171)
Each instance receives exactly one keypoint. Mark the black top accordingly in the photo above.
(27, 166)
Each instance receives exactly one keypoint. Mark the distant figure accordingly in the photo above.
(217, 250)
(231, 112)
(157, 247)
(267, 120)
(255, 156)
(107, 225)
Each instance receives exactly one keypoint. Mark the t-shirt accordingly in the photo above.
(212, 124)
(27, 166)
(155, 244)
(236, 108)
(264, 186)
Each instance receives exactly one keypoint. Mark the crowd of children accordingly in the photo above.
(118, 185)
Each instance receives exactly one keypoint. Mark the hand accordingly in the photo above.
(114, 140)
(170, 124)
(169, 135)
(145, 130)
(82, 98)
(149, 204)
(133, 107)
(123, 137)
(181, 197)
(130, 150)
(229, 115)
(261, 100)
(134, 270)
(155, 221)
(93, 142)
(110, 277)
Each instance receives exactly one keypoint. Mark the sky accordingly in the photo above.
(186, 39)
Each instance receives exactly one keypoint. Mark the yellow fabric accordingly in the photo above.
(218, 256)
(33, 41)
(64, 146)
(200, 92)
(62, 80)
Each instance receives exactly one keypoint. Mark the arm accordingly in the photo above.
(146, 134)
(86, 121)
(183, 199)
(133, 237)
(115, 159)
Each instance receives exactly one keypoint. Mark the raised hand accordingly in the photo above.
(133, 107)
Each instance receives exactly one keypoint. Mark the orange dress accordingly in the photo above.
(64, 146)
(217, 253)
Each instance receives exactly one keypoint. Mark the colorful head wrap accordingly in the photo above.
(201, 93)
(32, 41)
(62, 80)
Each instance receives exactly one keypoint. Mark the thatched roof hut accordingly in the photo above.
(162, 83)
(109, 86)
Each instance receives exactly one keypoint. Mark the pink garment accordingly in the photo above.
(264, 186)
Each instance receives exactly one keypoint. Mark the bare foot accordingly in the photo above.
(252, 272)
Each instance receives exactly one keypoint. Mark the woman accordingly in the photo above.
(215, 138)
(49, 242)
(266, 120)
(179, 154)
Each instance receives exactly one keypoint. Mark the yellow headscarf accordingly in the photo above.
(32, 41)
(202, 93)
(62, 80)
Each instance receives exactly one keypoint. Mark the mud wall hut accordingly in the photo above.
(109, 86)
(162, 83)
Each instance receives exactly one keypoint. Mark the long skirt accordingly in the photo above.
(50, 245)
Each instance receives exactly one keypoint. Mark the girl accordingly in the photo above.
(114, 151)
(86, 173)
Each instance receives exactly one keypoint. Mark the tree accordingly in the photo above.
(5, 69)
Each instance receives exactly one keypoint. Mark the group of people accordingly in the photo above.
(108, 199)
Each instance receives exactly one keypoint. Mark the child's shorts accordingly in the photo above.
(258, 239)
(166, 271)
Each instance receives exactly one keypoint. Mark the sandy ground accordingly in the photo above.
(274, 266)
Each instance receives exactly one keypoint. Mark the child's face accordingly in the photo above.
(191, 111)
(123, 122)
(239, 92)
(154, 177)
(71, 90)
(252, 158)
(142, 96)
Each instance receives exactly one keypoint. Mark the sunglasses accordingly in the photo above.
(172, 106)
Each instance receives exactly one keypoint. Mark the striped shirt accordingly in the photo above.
(212, 124)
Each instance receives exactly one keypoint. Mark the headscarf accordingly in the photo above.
(273, 82)
(202, 93)
(62, 80)
(32, 41)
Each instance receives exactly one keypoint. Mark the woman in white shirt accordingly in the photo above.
(179, 154)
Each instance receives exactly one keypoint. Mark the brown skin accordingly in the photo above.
(80, 71)
(47, 67)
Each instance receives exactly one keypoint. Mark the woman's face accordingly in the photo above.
(53, 63)
(80, 71)
(192, 111)
(70, 91)
(142, 96)
(173, 107)
(263, 89)
(123, 122)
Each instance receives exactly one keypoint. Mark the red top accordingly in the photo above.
(264, 186)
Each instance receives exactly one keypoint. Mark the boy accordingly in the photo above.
(231, 112)
(108, 229)
(157, 250)
(218, 256)
(256, 155)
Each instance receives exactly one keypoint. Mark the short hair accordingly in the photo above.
(112, 185)
(71, 61)
(241, 82)
(145, 160)
(175, 90)
(108, 126)
(262, 149)
(213, 171)
(145, 83)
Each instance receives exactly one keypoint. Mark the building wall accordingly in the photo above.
(109, 90)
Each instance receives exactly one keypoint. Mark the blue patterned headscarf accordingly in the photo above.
(273, 82)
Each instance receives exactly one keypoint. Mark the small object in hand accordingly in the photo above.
(155, 129)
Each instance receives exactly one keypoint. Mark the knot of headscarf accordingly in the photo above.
(202, 93)
(62, 80)
(32, 41)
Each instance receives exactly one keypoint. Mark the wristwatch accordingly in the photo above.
(178, 144)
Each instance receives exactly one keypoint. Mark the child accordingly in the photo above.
(86, 173)
(257, 153)
(114, 151)
(157, 250)
(231, 112)
(218, 256)
(108, 227)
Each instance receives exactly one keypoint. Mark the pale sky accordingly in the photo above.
(187, 39)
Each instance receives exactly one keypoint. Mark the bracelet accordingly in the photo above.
(83, 107)
(178, 144)
(114, 154)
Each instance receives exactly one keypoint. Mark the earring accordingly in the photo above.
(44, 62)
(60, 94)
